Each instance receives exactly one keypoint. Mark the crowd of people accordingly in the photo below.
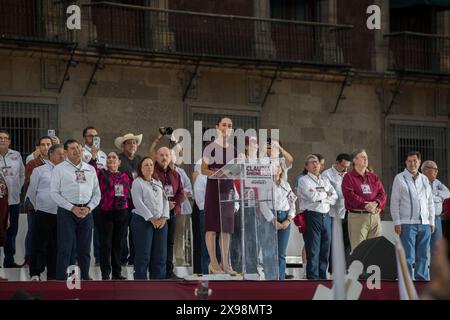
(134, 209)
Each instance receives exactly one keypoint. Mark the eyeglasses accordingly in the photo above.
(432, 168)
(4, 139)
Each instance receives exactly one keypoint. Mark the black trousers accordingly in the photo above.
(43, 247)
(171, 223)
(127, 254)
(111, 226)
(196, 239)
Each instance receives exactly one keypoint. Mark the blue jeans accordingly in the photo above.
(29, 236)
(70, 230)
(10, 244)
(416, 243)
(317, 244)
(283, 239)
(437, 233)
(150, 249)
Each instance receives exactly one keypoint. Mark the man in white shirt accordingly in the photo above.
(338, 211)
(412, 210)
(91, 151)
(43, 248)
(440, 193)
(182, 220)
(316, 196)
(13, 171)
(200, 253)
(75, 189)
(274, 152)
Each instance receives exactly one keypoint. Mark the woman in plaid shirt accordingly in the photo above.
(115, 187)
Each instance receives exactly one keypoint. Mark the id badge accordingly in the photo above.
(168, 189)
(80, 176)
(118, 190)
(320, 189)
(291, 197)
(365, 188)
(8, 171)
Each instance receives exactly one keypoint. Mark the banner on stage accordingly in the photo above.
(258, 176)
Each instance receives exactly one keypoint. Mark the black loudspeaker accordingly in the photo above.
(377, 251)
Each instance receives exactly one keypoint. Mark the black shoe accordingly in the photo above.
(173, 276)
(119, 277)
(289, 277)
(12, 265)
(106, 278)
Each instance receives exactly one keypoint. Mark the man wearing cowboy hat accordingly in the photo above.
(129, 164)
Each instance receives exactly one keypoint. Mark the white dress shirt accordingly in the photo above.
(39, 189)
(101, 157)
(14, 173)
(200, 190)
(412, 200)
(186, 207)
(335, 177)
(280, 201)
(66, 191)
(29, 158)
(313, 195)
(440, 193)
(149, 200)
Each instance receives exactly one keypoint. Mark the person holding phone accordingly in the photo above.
(91, 151)
(91, 148)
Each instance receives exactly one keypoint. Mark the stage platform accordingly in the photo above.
(185, 290)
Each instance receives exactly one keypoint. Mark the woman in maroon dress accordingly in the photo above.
(219, 218)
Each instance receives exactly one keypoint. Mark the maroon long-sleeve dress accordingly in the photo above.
(213, 219)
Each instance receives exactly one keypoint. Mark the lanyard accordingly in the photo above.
(78, 169)
(317, 183)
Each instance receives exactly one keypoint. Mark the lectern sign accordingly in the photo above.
(258, 175)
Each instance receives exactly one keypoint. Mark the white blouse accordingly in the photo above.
(149, 199)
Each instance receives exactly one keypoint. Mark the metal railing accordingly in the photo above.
(34, 21)
(419, 52)
(137, 28)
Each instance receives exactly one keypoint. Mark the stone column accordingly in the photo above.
(264, 47)
(156, 27)
(380, 57)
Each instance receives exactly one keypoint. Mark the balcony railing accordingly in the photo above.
(34, 21)
(171, 32)
(419, 52)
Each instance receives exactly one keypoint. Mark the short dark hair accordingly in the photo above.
(413, 153)
(343, 156)
(69, 141)
(43, 138)
(5, 132)
(54, 147)
(139, 168)
(88, 128)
